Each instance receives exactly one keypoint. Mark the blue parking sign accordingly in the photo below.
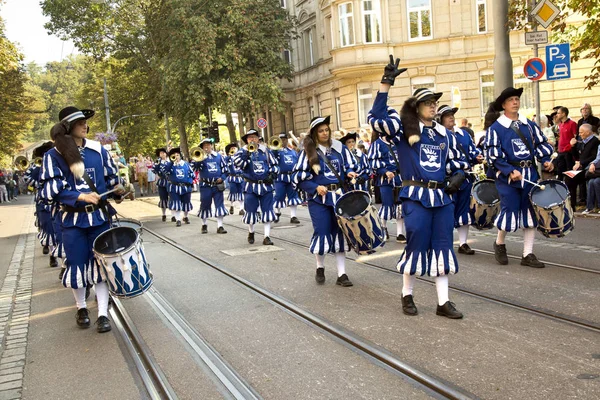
(558, 61)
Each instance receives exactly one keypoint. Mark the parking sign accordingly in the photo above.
(558, 61)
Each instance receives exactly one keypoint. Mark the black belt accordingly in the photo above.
(209, 182)
(260, 182)
(425, 184)
(90, 208)
(287, 173)
(522, 164)
(180, 184)
(332, 187)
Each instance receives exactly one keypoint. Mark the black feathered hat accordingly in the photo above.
(158, 151)
(71, 114)
(446, 109)
(315, 122)
(41, 150)
(424, 94)
(506, 93)
(175, 150)
(348, 136)
(250, 132)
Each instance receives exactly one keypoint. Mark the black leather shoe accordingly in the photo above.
(449, 311)
(83, 318)
(164, 218)
(251, 237)
(231, 210)
(387, 234)
(103, 324)
(61, 273)
(186, 220)
(500, 253)
(221, 230)
(531, 261)
(178, 223)
(277, 215)
(320, 275)
(258, 217)
(294, 220)
(408, 305)
(53, 262)
(465, 249)
(343, 281)
(401, 238)
(204, 229)
(173, 219)
(241, 212)
(267, 241)
(46, 250)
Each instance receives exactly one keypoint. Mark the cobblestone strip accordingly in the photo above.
(15, 308)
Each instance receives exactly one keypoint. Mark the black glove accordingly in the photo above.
(454, 183)
(391, 71)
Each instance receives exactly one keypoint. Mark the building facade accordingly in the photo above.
(447, 45)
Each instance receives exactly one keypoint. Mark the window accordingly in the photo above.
(419, 19)
(346, 25)
(338, 113)
(282, 3)
(287, 56)
(309, 53)
(419, 82)
(481, 16)
(372, 20)
(311, 108)
(365, 102)
(487, 90)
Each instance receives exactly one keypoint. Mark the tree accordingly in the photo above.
(584, 38)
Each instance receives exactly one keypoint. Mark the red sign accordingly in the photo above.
(261, 123)
(534, 69)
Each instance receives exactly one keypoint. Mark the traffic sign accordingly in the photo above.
(534, 69)
(558, 61)
(261, 123)
(536, 37)
(545, 12)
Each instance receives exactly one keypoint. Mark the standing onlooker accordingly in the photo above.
(151, 176)
(141, 171)
(3, 192)
(567, 130)
(464, 125)
(587, 117)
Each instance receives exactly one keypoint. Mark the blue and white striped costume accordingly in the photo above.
(160, 169)
(462, 198)
(428, 213)
(503, 147)
(381, 160)
(179, 185)
(212, 168)
(235, 179)
(327, 236)
(287, 159)
(43, 209)
(79, 229)
(362, 169)
(258, 169)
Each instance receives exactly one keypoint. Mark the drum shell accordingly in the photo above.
(484, 211)
(362, 228)
(123, 265)
(554, 212)
(130, 223)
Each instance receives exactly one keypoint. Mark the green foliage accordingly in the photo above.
(584, 38)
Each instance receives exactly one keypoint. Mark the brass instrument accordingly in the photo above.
(173, 157)
(38, 161)
(275, 143)
(21, 163)
(232, 151)
(252, 147)
(197, 154)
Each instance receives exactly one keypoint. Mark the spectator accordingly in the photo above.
(567, 130)
(593, 185)
(587, 117)
(151, 176)
(3, 192)
(10, 186)
(365, 137)
(584, 153)
(16, 182)
(464, 125)
(141, 171)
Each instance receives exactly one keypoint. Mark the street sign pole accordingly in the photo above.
(536, 83)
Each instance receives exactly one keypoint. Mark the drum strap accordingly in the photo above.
(393, 153)
(518, 132)
(326, 161)
(101, 203)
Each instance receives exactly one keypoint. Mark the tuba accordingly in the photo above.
(252, 147)
(275, 143)
(197, 154)
(21, 163)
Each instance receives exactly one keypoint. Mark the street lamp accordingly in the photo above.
(127, 116)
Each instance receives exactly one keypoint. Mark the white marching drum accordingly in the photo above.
(130, 223)
(485, 204)
(359, 222)
(552, 207)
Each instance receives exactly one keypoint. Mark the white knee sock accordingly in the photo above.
(528, 238)
(204, 221)
(501, 236)
(463, 234)
(101, 289)
(408, 282)
(79, 295)
(293, 210)
(178, 215)
(400, 226)
(277, 210)
(251, 228)
(441, 286)
(219, 222)
(320, 260)
(185, 214)
(164, 211)
(340, 261)
(267, 227)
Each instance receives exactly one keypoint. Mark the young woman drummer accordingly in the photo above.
(73, 174)
(320, 167)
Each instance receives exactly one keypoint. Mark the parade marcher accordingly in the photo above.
(259, 168)
(180, 177)
(512, 145)
(160, 169)
(74, 173)
(362, 164)
(426, 153)
(235, 179)
(462, 198)
(284, 187)
(213, 172)
(321, 171)
(384, 163)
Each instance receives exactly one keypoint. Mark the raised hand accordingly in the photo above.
(391, 71)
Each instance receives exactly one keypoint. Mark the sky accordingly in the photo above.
(24, 23)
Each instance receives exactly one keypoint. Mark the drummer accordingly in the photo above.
(512, 145)
(362, 164)
(462, 198)
(180, 176)
(320, 171)
(73, 174)
(160, 171)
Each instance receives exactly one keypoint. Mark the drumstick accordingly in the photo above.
(118, 187)
(542, 187)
